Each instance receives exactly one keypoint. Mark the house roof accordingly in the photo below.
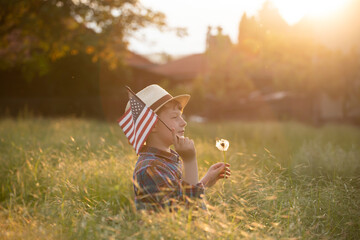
(136, 60)
(183, 68)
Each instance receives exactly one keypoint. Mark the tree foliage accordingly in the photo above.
(34, 33)
(273, 56)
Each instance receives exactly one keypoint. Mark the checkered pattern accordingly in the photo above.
(158, 181)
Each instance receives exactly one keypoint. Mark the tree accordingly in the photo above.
(270, 18)
(34, 33)
(350, 87)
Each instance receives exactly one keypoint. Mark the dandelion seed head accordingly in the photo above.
(222, 145)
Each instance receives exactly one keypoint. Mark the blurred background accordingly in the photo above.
(254, 60)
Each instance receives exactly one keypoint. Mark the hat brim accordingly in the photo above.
(183, 99)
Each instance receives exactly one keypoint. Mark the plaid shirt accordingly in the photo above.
(158, 181)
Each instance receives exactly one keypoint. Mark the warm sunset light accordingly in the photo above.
(181, 119)
(293, 11)
(202, 13)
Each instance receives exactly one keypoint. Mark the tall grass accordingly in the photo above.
(71, 179)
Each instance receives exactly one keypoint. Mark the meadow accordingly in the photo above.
(71, 179)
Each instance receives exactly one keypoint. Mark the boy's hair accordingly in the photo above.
(174, 104)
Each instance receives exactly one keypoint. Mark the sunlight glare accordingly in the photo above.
(321, 8)
(293, 11)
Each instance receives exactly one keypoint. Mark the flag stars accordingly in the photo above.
(137, 133)
(136, 108)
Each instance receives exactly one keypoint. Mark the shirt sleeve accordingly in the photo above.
(193, 191)
(163, 185)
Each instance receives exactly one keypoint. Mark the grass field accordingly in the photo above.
(71, 179)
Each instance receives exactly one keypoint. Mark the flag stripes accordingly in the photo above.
(146, 132)
(137, 123)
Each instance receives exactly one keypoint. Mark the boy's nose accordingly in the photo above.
(183, 123)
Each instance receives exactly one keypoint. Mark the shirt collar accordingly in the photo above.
(173, 156)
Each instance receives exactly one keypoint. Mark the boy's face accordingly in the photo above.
(171, 114)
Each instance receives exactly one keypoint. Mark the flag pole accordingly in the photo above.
(145, 104)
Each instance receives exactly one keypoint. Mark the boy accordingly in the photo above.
(161, 178)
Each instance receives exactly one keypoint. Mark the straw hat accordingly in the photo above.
(155, 97)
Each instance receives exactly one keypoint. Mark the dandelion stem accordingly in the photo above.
(223, 185)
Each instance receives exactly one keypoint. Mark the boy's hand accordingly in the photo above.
(217, 171)
(184, 146)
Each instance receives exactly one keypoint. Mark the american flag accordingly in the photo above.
(137, 122)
